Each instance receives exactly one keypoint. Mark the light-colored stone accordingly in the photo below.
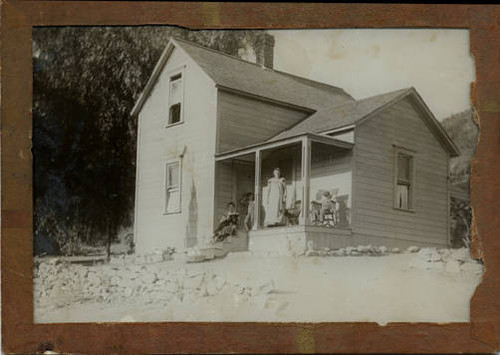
(115, 280)
(364, 248)
(310, 252)
(413, 249)
(430, 254)
(322, 252)
(167, 256)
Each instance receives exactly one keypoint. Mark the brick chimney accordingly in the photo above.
(265, 51)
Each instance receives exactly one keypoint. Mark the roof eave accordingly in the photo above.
(448, 142)
(375, 111)
(152, 79)
(282, 142)
(265, 99)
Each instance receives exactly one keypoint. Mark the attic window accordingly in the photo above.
(404, 180)
(175, 100)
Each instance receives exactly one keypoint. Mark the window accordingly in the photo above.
(404, 181)
(173, 191)
(175, 100)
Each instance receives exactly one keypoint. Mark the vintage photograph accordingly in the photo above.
(252, 175)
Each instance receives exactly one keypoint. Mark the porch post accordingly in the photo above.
(257, 193)
(306, 175)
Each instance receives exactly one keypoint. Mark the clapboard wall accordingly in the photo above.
(193, 144)
(331, 169)
(243, 120)
(376, 220)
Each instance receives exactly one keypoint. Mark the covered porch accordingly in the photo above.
(312, 169)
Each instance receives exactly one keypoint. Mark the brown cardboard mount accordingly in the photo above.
(20, 335)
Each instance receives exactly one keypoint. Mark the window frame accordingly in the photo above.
(171, 75)
(411, 182)
(177, 162)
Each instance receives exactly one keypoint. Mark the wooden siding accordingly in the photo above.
(377, 221)
(331, 169)
(244, 121)
(344, 135)
(194, 140)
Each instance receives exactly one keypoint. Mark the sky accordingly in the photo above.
(369, 62)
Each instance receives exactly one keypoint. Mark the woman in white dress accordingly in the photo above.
(276, 199)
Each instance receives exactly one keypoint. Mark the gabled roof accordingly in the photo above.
(233, 73)
(239, 75)
(331, 107)
(354, 113)
(339, 116)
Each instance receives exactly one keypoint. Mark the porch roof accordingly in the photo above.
(282, 142)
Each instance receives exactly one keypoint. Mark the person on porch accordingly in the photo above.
(328, 207)
(323, 212)
(228, 223)
(276, 200)
(249, 203)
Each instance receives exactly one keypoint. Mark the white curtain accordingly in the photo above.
(173, 200)
(402, 196)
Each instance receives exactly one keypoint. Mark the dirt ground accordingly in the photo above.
(426, 285)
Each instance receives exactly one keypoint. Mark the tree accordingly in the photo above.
(86, 80)
(463, 131)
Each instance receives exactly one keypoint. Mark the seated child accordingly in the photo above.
(228, 223)
(314, 212)
(328, 205)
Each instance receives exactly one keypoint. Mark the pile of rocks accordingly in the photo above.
(59, 284)
(207, 252)
(448, 260)
(158, 255)
(361, 250)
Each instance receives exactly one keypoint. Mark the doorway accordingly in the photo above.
(243, 183)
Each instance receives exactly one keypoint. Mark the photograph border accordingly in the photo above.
(21, 335)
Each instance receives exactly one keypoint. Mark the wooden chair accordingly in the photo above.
(292, 214)
(329, 214)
